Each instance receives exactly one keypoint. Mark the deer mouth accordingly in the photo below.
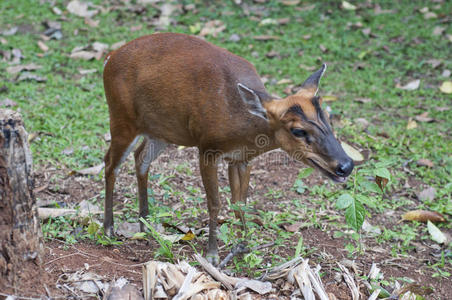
(325, 172)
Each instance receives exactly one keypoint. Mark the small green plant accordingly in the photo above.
(299, 186)
(166, 246)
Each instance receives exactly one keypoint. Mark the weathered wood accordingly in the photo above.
(20, 234)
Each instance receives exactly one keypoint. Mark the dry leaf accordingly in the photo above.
(80, 9)
(329, 98)
(381, 182)
(92, 170)
(446, 87)
(363, 100)
(166, 10)
(411, 124)
(438, 30)
(436, 234)
(348, 6)
(284, 81)
(92, 23)
(118, 45)
(290, 2)
(352, 152)
(188, 236)
(29, 76)
(293, 227)
(424, 117)
(307, 68)
(85, 55)
(427, 194)
(425, 163)
(430, 15)
(423, 216)
(212, 28)
(266, 37)
(410, 86)
(19, 68)
(43, 46)
(8, 103)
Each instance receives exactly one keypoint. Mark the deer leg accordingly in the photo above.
(239, 178)
(120, 148)
(147, 152)
(209, 175)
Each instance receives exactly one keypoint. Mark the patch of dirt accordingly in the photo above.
(270, 171)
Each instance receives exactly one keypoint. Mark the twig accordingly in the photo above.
(227, 281)
(240, 248)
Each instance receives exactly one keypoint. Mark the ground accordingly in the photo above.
(388, 64)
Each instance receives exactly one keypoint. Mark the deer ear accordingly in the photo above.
(252, 101)
(311, 85)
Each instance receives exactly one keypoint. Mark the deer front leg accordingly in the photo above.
(239, 178)
(209, 175)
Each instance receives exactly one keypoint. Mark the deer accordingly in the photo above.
(171, 88)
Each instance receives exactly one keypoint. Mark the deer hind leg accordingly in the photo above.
(239, 179)
(147, 152)
(120, 147)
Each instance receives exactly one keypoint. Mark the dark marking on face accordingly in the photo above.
(320, 114)
(296, 109)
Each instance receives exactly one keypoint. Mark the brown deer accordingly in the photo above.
(177, 89)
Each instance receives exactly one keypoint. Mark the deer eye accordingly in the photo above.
(299, 133)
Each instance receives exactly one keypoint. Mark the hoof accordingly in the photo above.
(214, 259)
(109, 231)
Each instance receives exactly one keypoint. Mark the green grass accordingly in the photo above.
(69, 110)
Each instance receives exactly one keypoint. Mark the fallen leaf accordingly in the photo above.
(283, 21)
(329, 98)
(423, 162)
(424, 10)
(446, 73)
(427, 194)
(234, 38)
(423, 216)
(410, 86)
(446, 87)
(369, 228)
(381, 182)
(362, 122)
(30, 76)
(7, 103)
(293, 227)
(128, 230)
(266, 37)
(268, 21)
(80, 9)
(136, 28)
(166, 10)
(118, 45)
(56, 11)
(366, 31)
(435, 63)
(90, 171)
(284, 81)
(348, 6)
(449, 37)
(430, 15)
(323, 48)
(87, 71)
(424, 118)
(290, 2)
(188, 236)
(92, 23)
(19, 68)
(411, 124)
(43, 46)
(442, 108)
(307, 68)
(352, 152)
(438, 30)
(363, 100)
(85, 55)
(212, 28)
(68, 151)
(436, 234)
(272, 54)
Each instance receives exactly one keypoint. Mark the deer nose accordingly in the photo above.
(344, 169)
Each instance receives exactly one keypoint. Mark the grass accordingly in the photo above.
(69, 110)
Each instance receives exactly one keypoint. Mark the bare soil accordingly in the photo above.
(270, 171)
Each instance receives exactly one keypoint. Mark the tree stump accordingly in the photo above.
(20, 234)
